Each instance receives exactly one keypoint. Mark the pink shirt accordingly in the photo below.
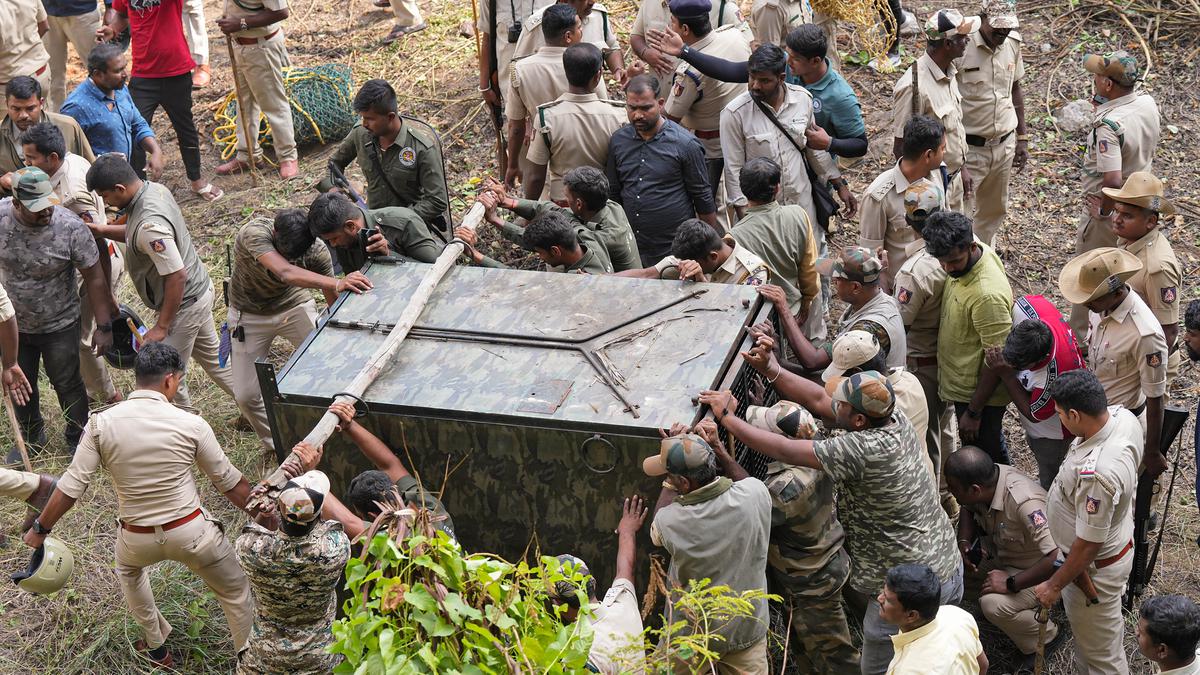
(1064, 357)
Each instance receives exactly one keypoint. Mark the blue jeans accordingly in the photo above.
(877, 634)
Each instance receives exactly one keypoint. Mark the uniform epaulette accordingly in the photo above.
(106, 406)
(885, 184)
(728, 26)
(549, 104)
(534, 20)
(618, 104)
(421, 136)
(599, 8)
(187, 409)
(740, 102)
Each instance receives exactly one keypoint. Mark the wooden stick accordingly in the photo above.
(16, 427)
(382, 358)
(247, 125)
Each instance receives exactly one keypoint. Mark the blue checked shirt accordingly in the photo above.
(111, 123)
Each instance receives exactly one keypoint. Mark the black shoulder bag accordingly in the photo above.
(823, 203)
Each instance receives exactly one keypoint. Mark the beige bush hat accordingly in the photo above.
(1096, 273)
(1143, 189)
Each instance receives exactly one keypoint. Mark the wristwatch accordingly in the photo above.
(38, 529)
(243, 25)
(1011, 584)
(105, 327)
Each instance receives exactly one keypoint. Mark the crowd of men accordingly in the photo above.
(894, 410)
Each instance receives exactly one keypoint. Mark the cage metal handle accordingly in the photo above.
(583, 448)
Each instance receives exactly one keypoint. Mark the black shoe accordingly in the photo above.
(31, 446)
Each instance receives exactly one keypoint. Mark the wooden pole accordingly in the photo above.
(247, 125)
(16, 427)
(382, 358)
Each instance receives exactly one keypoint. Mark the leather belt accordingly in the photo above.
(37, 72)
(923, 361)
(1101, 564)
(142, 529)
(256, 40)
(981, 142)
(706, 135)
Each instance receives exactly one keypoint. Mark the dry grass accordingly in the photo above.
(85, 629)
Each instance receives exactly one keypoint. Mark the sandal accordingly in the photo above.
(210, 192)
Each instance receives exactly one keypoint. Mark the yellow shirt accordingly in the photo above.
(948, 645)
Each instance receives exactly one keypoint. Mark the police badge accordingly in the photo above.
(408, 157)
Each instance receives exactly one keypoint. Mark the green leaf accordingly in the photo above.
(418, 596)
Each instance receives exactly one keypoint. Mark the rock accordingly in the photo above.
(1074, 116)
(1046, 47)
(1172, 128)
(466, 29)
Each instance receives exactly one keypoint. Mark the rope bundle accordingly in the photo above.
(320, 98)
(872, 21)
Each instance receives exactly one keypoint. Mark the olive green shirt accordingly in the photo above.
(407, 236)
(253, 288)
(413, 166)
(976, 315)
(609, 229)
(783, 238)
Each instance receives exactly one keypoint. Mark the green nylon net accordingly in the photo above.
(320, 97)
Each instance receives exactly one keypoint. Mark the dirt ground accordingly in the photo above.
(85, 629)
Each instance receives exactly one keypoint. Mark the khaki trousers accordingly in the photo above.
(1099, 630)
(18, 484)
(196, 30)
(92, 368)
(260, 78)
(80, 31)
(991, 169)
(292, 325)
(408, 13)
(1016, 616)
(942, 435)
(202, 546)
(1093, 233)
(193, 335)
(955, 195)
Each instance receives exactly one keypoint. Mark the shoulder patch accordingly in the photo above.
(408, 157)
(1037, 519)
(1154, 359)
(534, 20)
(1168, 294)
(1093, 505)
(903, 295)
(1102, 146)
(158, 245)
(677, 88)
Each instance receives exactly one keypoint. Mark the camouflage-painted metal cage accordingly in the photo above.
(527, 399)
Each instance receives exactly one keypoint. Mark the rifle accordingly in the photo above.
(338, 180)
(1173, 420)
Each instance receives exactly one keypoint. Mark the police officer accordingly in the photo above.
(806, 561)
(587, 202)
(537, 79)
(1090, 513)
(574, 129)
(993, 113)
(1006, 519)
(883, 224)
(918, 291)
(1122, 140)
(696, 100)
(655, 15)
(935, 93)
(504, 31)
(169, 275)
(595, 27)
(357, 234)
(1126, 347)
(1137, 209)
(402, 164)
(150, 448)
(253, 27)
(774, 19)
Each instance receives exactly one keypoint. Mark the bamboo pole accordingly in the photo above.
(16, 427)
(382, 358)
(248, 126)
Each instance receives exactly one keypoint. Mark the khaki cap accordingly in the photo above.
(1096, 273)
(850, 350)
(1143, 189)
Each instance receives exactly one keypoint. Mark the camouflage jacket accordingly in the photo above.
(806, 557)
(294, 581)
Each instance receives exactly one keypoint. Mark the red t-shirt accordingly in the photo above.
(156, 31)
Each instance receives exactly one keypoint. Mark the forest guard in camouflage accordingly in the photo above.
(294, 573)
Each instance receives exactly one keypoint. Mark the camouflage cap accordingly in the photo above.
(850, 350)
(868, 392)
(1120, 66)
(922, 199)
(855, 263)
(678, 454)
(569, 565)
(785, 418)
(947, 23)
(1000, 13)
(301, 499)
(33, 189)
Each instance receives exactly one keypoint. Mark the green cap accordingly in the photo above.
(868, 392)
(32, 188)
(678, 454)
(1120, 66)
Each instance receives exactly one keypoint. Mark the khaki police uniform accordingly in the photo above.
(774, 19)
(656, 15)
(536, 80)
(70, 186)
(1016, 536)
(1128, 353)
(572, 131)
(918, 290)
(80, 31)
(741, 267)
(18, 484)
(939, 98)
(986, 78)
(509, 13)
(1158, 283)
(158, 244)
(261, 54)
(22, 51)
(1092, 499)
(1123, 137)
(596, 26)
(149, 448)
(697, 100)
(882, 223)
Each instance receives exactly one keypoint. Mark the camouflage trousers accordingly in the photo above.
(813, 607)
